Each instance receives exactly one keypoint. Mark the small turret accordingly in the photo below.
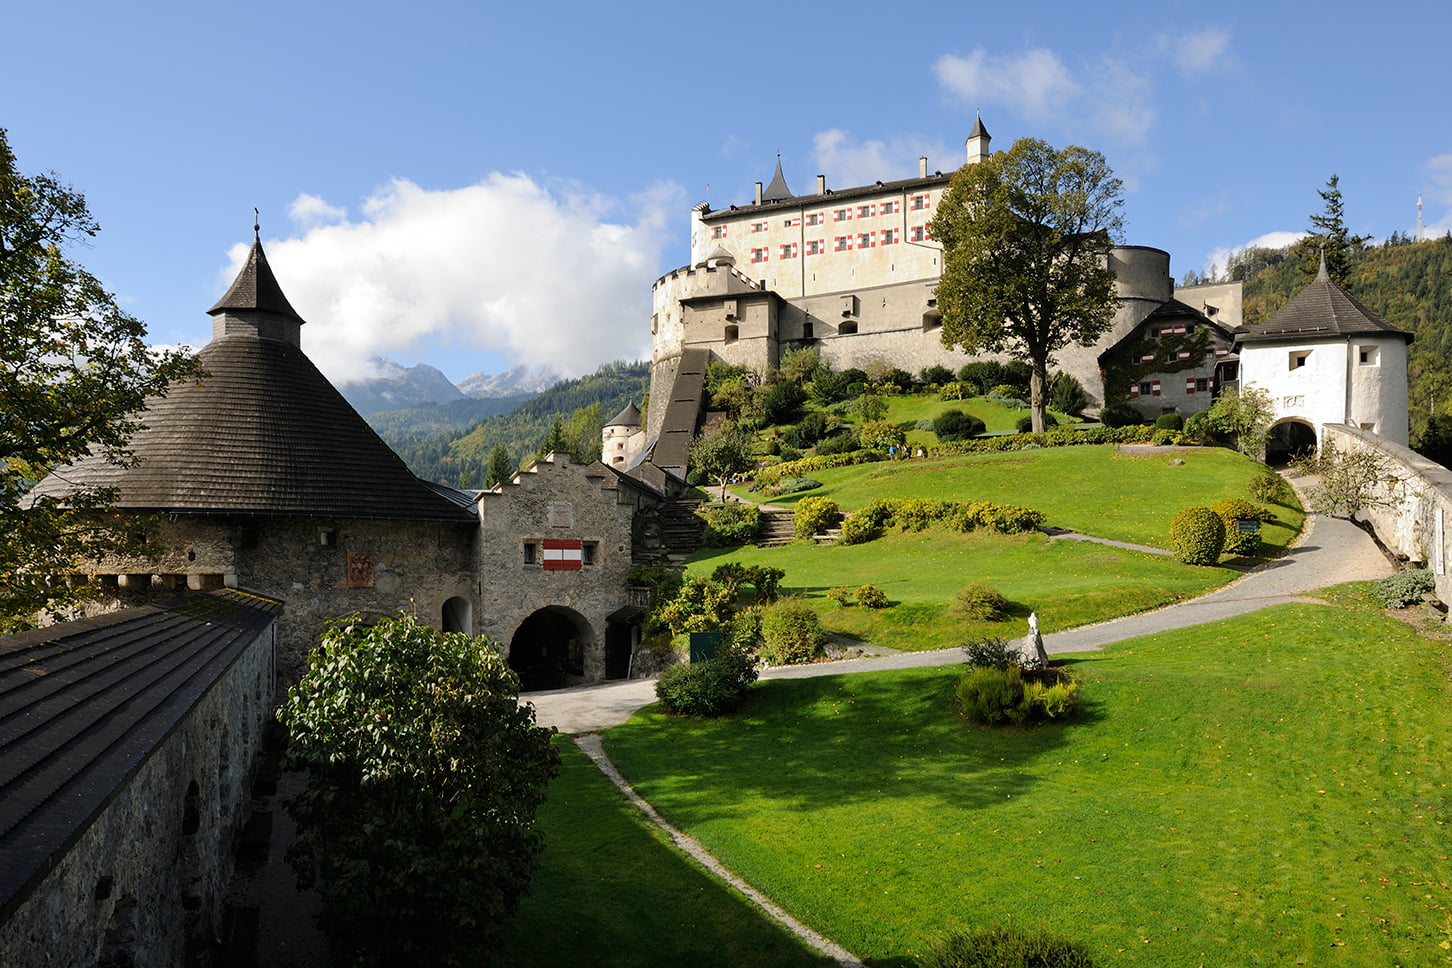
(978, 140)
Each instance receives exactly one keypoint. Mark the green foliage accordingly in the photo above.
(857, 529)
(1026, 236)
(1244, 414)
(791, 633)
(710, 688)
(1329, 238)
(1435, 440)
(814, 514)
(795, 485)
(1010, 946)
(769, 476)
(842, 442)
(1197, 536)
(991, 652)
(799, 366)
(1233, 510)
(870, 596)
(1404, 588)
(501, 468)
(731, 524)
(1169, 421)
(981, 602)
(76, 373)
(717, 454)
(699, 606)
(869, 408)
(936, 374)
(1066, 395)
(1120, 415)
(781, 402)
(829, 388)
(807, 431)
(1268, 487)
(957, 425)
(881, 435)
(1025, 423)
(1351, 481)
(1167, 438)
(423, 777)
(991, 696)
(841, 595)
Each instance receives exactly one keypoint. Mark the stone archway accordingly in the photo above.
(457, 615)
(548, 649)
(1289, 439)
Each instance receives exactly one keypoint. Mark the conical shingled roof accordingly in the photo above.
(1322, 309)
(255, 288)
(629, 417)
(777, 191)
(263, 433)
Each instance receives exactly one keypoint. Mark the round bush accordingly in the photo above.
(858, 530)
(954, 424)
(841, 595)
(1166, 438)
(1197, 536)
(980, 602)
(710, 688)
(1025, 424)
(1006, 947)
(1169, 421)
(790, 633)
(1120, 415)
(815, 514)
(1268, 487)
(870, 596)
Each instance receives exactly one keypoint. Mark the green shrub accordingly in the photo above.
(794, 485)
(1235, 509)
(699, 606)
(1005, 947)
(789, 453)
(1268, 487)
(1120, 415)
(796, 468)
(857, 529)
(1197, 426)
(870, 596)
(731, 524)
(990, 653)
(1169, 421)
(1051, 700)
(731, 574)
(841, 595)
(710, 688)
(815, 514)
(766, 580)
(1404, 588)
(881, 434)
(915, 514)
(827, 388)
(880, 511)
(980, 602)
(1197, 536)
(957, 390)
(842, 442)
(790, 633)
(991, 696)
(953, 424)
(1008, 400)
(780, 402)
(936, 374)
(1066, 395)
(1025, 423)
(869, 407)
(1167, 438)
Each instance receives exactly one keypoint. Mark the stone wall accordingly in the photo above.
(143, 882)
(1415, 526)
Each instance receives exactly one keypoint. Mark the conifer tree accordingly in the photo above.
(1329, 236)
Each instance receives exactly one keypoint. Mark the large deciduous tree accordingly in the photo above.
(424, 773)
(1026, 236)
(1329, 237)
(75, 372)
(719, 453)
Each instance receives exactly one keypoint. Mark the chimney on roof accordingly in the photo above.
(922, 166)
(821, 184)
(758, 193)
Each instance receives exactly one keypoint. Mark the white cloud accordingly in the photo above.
(1122, 109)
(847, 162)
(1270, 240)
(1197, 51)
(546, 279)
(310, 211)
(1440, 170)
(1035, 82)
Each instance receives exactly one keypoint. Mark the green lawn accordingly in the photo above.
(1271, 790)
(1091, 489)
(907, 409)
(1069, 583)
(612, 891)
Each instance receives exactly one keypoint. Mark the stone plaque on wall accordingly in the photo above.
(360, 569)
(562, 514)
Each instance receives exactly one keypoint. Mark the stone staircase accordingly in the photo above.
(778, 527)
(681, 531)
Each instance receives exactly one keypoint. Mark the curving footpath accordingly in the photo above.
(1328, 552)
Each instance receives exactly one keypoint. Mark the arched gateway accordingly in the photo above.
(1289, 439)
(548, 649)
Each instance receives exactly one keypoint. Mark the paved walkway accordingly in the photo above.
(1330, 551)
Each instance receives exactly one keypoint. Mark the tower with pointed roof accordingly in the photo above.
(1324, 358)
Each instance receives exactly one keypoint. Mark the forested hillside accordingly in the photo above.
(461, 456)
(1409, 284)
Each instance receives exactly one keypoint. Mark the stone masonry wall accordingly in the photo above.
(146, 877)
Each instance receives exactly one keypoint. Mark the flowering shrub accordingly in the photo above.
(870, 596)
(815, 514)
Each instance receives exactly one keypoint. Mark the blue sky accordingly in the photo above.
(477, 186)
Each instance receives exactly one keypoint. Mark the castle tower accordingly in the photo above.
(621, 438)
(978, 140)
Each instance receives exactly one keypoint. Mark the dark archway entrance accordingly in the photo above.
(458, 616)
(1289, 439)
(619, 643)
(548, 649)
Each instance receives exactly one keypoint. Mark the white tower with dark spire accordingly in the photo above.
(978, 140)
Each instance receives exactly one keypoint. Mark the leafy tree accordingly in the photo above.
(424, 772)
(1245, 413)
(582, 434)
(1329, 236)
(882, 434)
(869, 407)
(501, 468)
(1351, 482)
(798, 366)
(1435, 441)
(75, 372)
(720, 453)
(1026, 237)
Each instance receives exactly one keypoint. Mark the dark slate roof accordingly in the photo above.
(937, 180)
(777, 191)
(256, 289)
(629, 417)
(263, 433)
(979, 131)
(82, 706)
(1174, 308)
(1322, 309)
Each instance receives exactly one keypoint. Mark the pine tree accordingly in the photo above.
(501, 468)
(1329, 236)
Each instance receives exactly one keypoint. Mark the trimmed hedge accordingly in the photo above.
(1197, 536)
(915, 514)
(815, 514)
(791, 633)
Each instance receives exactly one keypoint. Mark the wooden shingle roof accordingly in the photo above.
(1322, 309)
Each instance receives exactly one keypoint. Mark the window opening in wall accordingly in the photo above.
(588, 552)
(1298, 358)
(807, 330)
(1369, 426)
(847, 329)
(731, 333)
(531, 552)
(1368, 356)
